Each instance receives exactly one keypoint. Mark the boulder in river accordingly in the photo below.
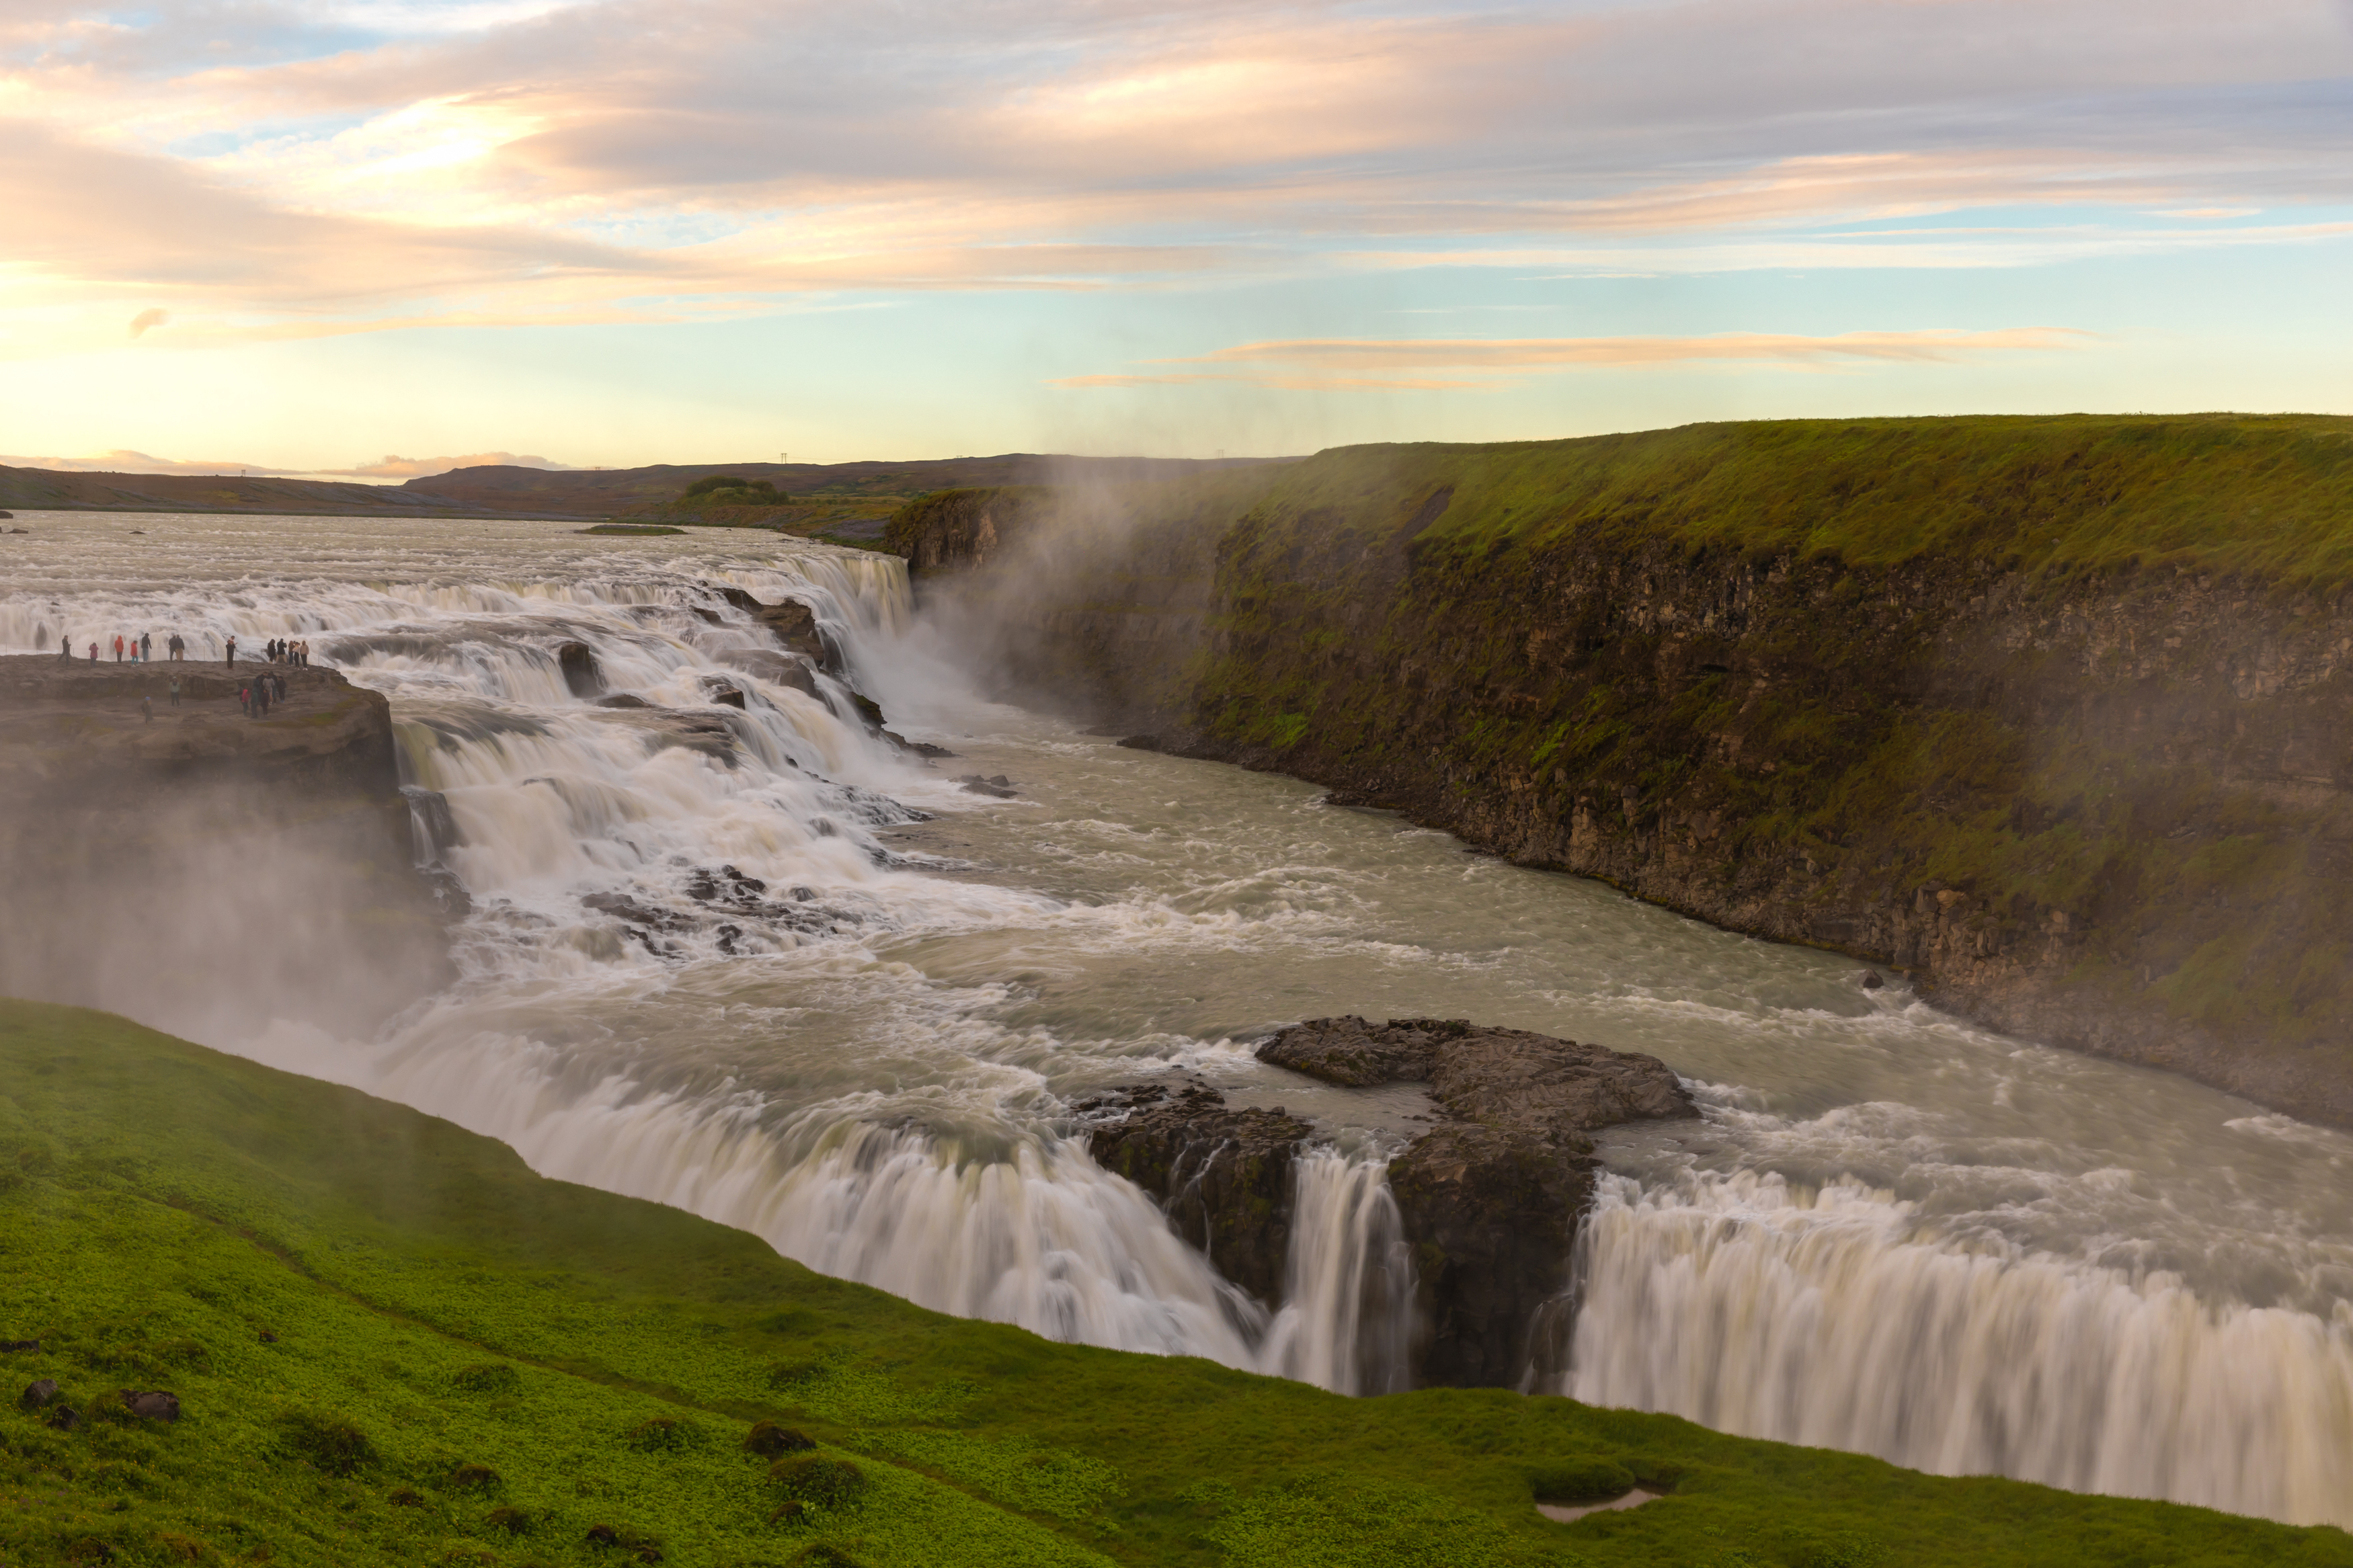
(581, 676)
(1223, 1175)
(1490, 1198)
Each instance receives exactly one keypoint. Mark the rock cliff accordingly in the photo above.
(202, 869)
(2050, 713)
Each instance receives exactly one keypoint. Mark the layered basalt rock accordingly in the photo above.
(1490, 1198)
(206, 870)
(1223, 1175)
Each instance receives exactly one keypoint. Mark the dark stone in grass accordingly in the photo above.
(1223, 1175)
(154, 1405)
(90, 1549)
(40, 1395)
(267, 1338)
(768, 1439)
(20, 1344)
(511, 1520)
(603, 1535)
(819, 1481)
(405, 1496)
(66, 1418)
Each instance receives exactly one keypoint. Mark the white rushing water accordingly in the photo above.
(759, 965)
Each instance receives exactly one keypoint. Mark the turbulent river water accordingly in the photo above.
(1892, 1233)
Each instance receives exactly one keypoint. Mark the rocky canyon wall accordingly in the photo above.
(2057, 715)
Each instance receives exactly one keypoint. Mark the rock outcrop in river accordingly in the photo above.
(2050, 713)
(1490, 1197)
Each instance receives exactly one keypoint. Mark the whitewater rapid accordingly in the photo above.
(848, 1005)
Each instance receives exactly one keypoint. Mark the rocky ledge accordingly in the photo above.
(202, 869)
(1490, 1198)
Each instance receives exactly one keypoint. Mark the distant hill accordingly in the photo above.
(507, 491)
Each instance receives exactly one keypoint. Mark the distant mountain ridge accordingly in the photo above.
(511, 490)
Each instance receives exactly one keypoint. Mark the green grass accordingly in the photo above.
(2264, 497)
(394, 1344)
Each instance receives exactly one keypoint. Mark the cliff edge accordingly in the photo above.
(2052, 713)
(205, 869)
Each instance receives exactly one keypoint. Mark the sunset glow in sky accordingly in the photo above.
(373, 235)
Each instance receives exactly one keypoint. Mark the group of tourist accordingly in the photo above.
(141, 650)
(256, 695)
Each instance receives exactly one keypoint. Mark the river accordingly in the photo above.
(1892, 1231)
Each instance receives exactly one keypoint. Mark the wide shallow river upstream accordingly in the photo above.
(1892, 1231)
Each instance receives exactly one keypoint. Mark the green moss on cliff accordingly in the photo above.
(394, 1343)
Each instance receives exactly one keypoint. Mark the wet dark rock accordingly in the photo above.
(1140, 743)
(870, 711)
(1870, 980)
(726, 693)
(1000, 787)
(1491, 1196)
(804, 895)
(622, 906)
(790, 669)
(921, 748)
(152, 1404)
(1222, 1175)
(40, 1396)
(622, 700)
(582, 676)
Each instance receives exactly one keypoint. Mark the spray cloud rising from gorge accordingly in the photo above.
(757, 964)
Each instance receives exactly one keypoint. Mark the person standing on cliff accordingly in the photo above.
(146, 647)
(117, 647)
(175, 648)
(175, 691)
(65, 647)
(232, 649)
(93, 653)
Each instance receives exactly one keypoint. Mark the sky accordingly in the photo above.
(381, 237)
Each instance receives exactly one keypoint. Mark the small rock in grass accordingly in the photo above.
(604, 1535)
(65, 1418)
(20, 1344)
(405, 1496)
(40, 1395)
(768, 1439)
(154, 1405)
(267, 1338)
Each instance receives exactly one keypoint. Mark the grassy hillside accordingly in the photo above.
(2264, 497)
(393, 1343)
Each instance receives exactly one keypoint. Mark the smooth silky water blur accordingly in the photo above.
(1891, 1232)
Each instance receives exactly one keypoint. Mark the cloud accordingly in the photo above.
(273, 169)
(1326, 364)
(393, 468)
(124, 461)
(151, 317)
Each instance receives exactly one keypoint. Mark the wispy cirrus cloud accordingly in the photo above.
(1332, 364)
(385, 164)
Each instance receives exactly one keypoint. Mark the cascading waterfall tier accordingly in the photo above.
(1835, 1319)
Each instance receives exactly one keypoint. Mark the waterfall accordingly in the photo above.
(1836, 1318)
(1347, 1284)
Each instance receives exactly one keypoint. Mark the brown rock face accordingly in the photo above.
(1223, 1175)
(202, 870)
(1490, 1199)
